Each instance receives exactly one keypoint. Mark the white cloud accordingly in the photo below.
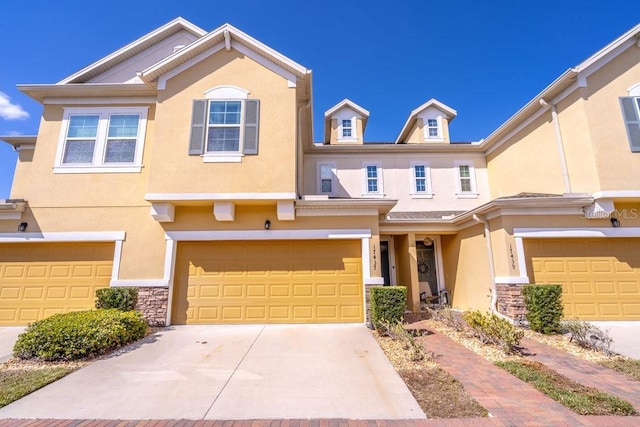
(9, 111)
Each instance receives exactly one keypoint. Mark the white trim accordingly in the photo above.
(437, 242)
(617, 194)
(473, 194)
(98, 165)
(268, 64)
(217, 196)
(393, 281)
(207, 235)
(99, 101)
(522, 262)
(226, 92)
(117, 259)
(22, 147)
(221, 158)
(512, 280)
(140, 283)
(346, 103)
(319, 165)
(11, 215)
(62, 236)
(164, 78)
(374, 281)
(169, 271)
(97, 169)
(365, 180)
(635, 89)
(610, 232)
(428, 193)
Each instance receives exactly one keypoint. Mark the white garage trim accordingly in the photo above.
(173, 237)
(551, 233)
(63, 236)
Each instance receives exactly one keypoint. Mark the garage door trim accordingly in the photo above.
(173, 237)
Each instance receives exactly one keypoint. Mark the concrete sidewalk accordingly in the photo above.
(8, 337)
(231, 373)
(625, 334)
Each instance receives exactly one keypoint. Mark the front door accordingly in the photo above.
(427, 275)
(384, 262)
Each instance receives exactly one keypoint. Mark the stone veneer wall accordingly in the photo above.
(153, 303)
(511, 301)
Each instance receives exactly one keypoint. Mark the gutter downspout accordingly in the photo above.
(560, 144)
(492, 273)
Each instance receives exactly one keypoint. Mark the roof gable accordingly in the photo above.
(132, 49)
(449, 113)
(344, 104)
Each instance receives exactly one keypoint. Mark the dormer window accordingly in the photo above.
(346, 129)
(432, 128)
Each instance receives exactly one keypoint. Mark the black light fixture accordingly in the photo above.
(267, 224)
(615, 222)
(22, 226)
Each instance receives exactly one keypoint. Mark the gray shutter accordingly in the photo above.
(632, 120)
(251, 118)
(198, 127)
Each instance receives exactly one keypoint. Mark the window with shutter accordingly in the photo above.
(631, 113)
(222, 130)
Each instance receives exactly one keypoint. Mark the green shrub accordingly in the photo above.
(544, 307)
(388, 303)
(491, 329)
(79, 334)
(123, 299)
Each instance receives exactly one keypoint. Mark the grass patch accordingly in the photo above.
(628, 367)
(16, 383)
(580, 399)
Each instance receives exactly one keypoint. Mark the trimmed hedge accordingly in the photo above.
(388, 304)
(544, 307)
(123, 299)
(79, 334)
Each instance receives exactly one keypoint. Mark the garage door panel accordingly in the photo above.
(38, 280)
(275, 282)
(600, 277)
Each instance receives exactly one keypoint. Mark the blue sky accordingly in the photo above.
(484, 59)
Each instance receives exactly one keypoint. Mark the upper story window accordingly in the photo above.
(346, 129)
(631, 111)
(433, 128)
(326, 173)
(101, 140)
(465, 180)
(420, 180)
(372, 185)
(224, 127)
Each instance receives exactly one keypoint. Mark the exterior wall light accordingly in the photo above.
(615, 222)
(22, 226)
(267, 224)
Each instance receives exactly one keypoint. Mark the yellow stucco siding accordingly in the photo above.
(35, 180)
(272, 170)
(466, 268)
(617, 167)
(528, 162)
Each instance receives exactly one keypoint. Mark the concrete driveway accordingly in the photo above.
(8, 337)
(230, 373)
(626, 336)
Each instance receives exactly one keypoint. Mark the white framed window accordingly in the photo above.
(101, 140)
(433, 130)
(326, 175)
(631, 113)
(347, 129)
(421, 180)
(224, 126)
(372, 179)
(465, 180)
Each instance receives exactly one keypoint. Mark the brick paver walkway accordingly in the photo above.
(585, 372)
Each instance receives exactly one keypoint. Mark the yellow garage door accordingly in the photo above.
(600, 278)
(38, 280)
(268, 282)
